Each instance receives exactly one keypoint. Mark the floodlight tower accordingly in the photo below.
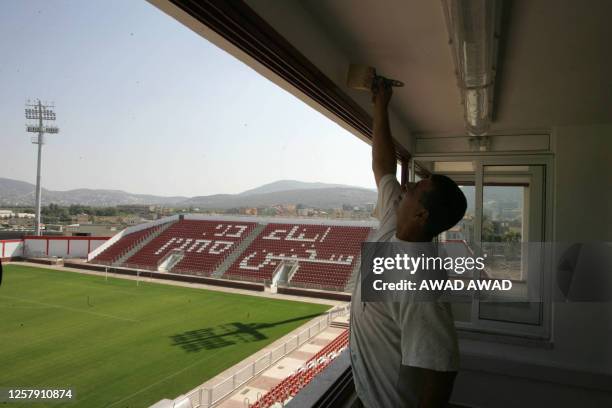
(39, 112)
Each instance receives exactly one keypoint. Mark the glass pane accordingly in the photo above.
(502, 228)
(512, 217)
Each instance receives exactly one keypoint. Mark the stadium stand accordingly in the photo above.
(325, 254)
(290, 386)
(204, 244)
(124, 245)
(320, 256)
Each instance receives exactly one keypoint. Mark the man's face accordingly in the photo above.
(410, 212)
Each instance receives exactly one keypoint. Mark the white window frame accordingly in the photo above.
(476, 324)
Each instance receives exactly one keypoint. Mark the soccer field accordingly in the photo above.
(122, 345)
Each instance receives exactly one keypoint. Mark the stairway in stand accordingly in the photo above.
(138, 247)
(235, 254)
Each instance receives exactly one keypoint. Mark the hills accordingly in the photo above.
(319, 195)
(328, 197)
(289, 185)
(21, 193)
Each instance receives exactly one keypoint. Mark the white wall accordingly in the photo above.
(11, 248)
(35, 247)
(78, 248)
(584, 183)
(581, 331)
(62, 247)
(95, 244)
(58, 248)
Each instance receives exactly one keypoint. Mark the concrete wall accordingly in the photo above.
(11, 248)
(35, 247)
(258, 287)
(62, 247)
(583, 183)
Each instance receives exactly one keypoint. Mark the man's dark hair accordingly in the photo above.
(445, 203)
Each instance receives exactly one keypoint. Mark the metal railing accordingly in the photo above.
(205, 397)
(247, 278)
(315, 286)
(239, 278)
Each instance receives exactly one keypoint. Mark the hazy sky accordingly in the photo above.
(147, 106)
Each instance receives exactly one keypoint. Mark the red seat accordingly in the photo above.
(204, 243)
(286, 241)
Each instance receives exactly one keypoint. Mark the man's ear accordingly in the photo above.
(422, 215)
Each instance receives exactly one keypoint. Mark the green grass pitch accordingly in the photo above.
(122, 345)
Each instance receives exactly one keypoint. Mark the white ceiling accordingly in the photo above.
(554, 67)
(555, 63)
(405, 40)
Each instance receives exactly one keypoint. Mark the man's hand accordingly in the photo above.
(381, 93)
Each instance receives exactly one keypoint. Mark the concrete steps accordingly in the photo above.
(141, 245)
(170, 260)
(340, 324)
(235, 254)
(295, 267)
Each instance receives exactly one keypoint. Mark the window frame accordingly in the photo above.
(480, 161)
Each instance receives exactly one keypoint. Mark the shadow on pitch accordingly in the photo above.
(225, 335)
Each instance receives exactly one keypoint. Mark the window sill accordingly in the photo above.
(515, 340)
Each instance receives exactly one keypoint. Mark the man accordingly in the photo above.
(405, 354)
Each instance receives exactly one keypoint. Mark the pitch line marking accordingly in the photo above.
(71, 309)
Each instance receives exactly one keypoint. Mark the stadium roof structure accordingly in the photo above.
(284, 220)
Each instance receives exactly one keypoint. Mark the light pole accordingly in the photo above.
(39, 112)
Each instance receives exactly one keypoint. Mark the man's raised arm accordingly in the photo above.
(383, 151)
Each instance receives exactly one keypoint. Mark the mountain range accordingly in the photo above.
(318, 195)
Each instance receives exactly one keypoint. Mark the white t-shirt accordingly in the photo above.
(386, 335)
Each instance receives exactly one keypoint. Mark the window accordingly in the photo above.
(507, 218)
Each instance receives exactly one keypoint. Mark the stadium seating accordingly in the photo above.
(321, 256)
(326, 254)
(290, 386)
(205, 245)
(123, 245)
